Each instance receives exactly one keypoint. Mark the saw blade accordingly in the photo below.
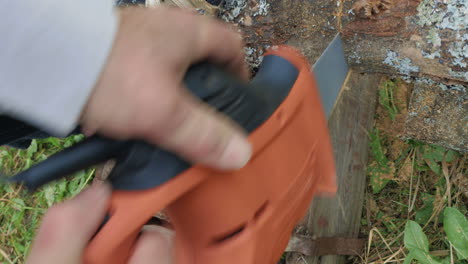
(330, 71)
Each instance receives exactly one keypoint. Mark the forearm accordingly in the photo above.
(51, 55)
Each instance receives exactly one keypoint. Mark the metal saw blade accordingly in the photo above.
(330, 71)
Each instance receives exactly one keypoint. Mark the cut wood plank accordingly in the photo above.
(352, 118)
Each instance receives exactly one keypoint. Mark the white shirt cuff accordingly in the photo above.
(51, 55)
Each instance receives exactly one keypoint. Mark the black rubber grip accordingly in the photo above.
(140, 165)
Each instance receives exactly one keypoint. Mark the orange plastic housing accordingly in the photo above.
(241, 217)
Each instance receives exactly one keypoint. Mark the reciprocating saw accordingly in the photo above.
(244, 216)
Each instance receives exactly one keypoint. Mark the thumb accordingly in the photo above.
(156, 244)
(67, 227)
(201, 134)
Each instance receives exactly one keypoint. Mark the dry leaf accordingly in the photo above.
(461, 181)
(406, 171)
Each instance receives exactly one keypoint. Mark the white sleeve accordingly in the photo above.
(51, 55)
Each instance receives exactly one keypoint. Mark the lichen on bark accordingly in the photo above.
(448, 26)
(431, 35)
(403, 65)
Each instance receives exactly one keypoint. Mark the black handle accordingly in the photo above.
(140, 165)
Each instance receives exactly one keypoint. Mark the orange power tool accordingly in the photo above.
(244, 216)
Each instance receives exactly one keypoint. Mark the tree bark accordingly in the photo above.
(419, 38)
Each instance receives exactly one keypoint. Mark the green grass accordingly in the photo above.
(20, 210)
(386, 98)
(382, 169)
(408, 193)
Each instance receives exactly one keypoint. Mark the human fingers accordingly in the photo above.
(218, 42)
(67, 227)
(201, 134)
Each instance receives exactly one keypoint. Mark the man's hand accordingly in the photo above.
(67, 228)
(140, 93)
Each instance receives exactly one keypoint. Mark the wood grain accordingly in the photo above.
(352, 118)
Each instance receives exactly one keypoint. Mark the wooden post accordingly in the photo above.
(353, 116)
(310, 25)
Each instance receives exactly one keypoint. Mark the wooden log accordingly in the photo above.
(421, 38)
(438, 115)
(308, 25)
(426, 40)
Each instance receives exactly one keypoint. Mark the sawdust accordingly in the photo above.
(380, 17)
(371, 8)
